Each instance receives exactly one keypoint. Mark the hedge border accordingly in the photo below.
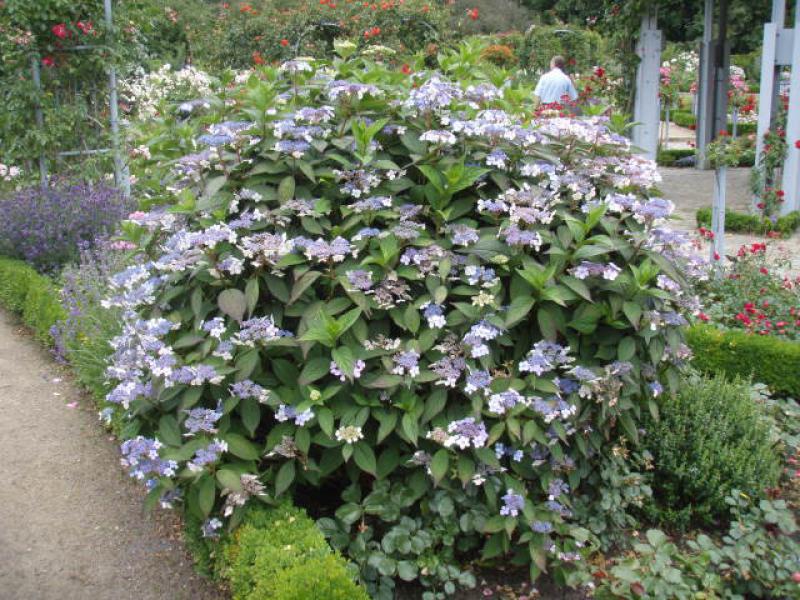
(668, 157)
(31, 295)
(771, 361)
(264, 532)
(746, 223)
(685, 118)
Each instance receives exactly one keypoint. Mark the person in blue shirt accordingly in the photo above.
(555, 85)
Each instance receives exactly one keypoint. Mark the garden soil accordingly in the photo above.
(72, 525)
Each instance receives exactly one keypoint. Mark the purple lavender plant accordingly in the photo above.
(46, 227)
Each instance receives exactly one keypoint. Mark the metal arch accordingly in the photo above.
(121, 175)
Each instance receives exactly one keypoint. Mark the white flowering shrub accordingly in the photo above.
(146, 93)
(404, 305)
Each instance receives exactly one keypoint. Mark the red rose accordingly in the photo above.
(406, 70)
(716, 256)
(797, 144)
(780, 193)
(796, 576)
(284, 42)
(86, 27)
(763, 271)
(60, 31)
(258, 59)
(703, 316)
(48, 61)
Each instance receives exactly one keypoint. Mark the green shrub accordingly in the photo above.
(272, 31)
(582, 48)
(410, 338)
(278, 554)
(746, 223)
(208, 561)
(32, 296)
(494, 16)
(683, 118)
(710, 438)
(275, 554)
(320, 578)
(767, 360)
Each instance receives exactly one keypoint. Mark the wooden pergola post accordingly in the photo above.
(712, 92)
(646, 108)
(791, 168)
(781, 48)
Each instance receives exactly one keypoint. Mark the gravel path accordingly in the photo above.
(691, 189)
(71, 521)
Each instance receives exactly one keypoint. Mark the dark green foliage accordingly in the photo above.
(680, 21)
(757, 558)
(710, 439)
(746, 223)
(620, 487)
(685, 118)
(203, 550)
(667, 158)
(579, 46)
(773, 362)
(31, 295)
(279, 554)
(495, 16)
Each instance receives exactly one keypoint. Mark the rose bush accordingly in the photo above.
(239, 35)
(755, 292)
(399, 302)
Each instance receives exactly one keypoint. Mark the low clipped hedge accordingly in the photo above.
(275, 554)
(31, 295)
(685, 118)
(739, 222)
(768, 360)
(667, 158)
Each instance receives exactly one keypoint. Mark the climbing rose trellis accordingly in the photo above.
(406, 296)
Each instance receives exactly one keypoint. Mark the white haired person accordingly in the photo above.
(555, 85)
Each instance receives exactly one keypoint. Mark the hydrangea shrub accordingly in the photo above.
(404, 305)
